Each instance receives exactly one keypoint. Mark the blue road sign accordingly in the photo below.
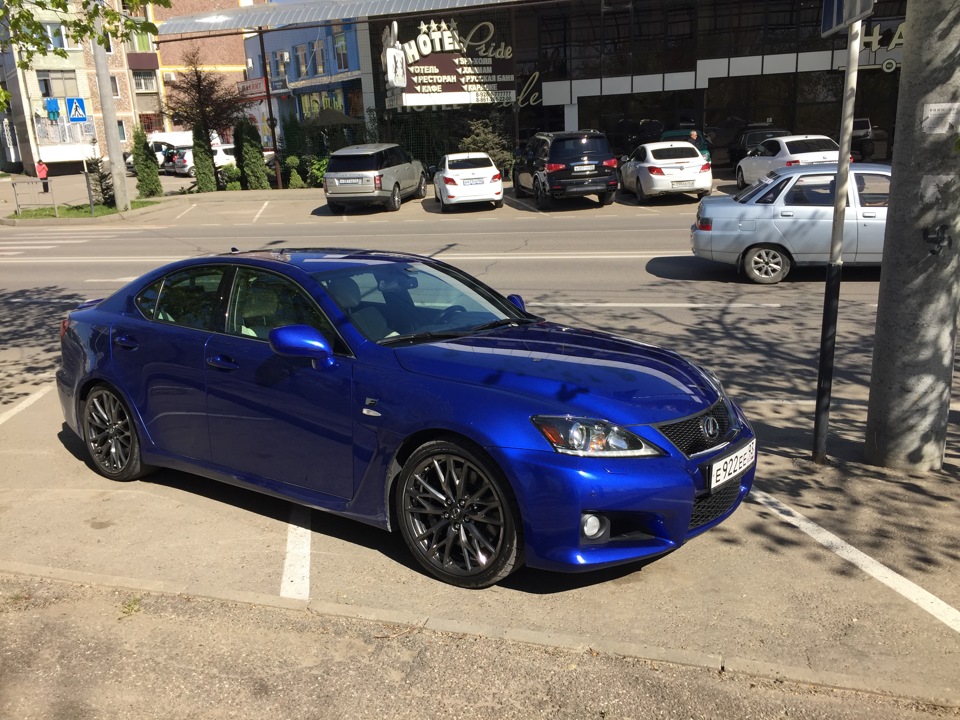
(76, 111)
(840, 14)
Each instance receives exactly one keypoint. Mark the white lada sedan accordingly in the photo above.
(786, 219)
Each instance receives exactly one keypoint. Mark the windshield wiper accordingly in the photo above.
(502, 322)
(423, 337)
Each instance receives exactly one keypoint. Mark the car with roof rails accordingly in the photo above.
(399, 391)
(372, 174)
(559, 165)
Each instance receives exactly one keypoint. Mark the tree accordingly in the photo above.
(101, 181)
(145, 165)
(25, 27)
(249, 153)
(204, 101)
(203, 167)
(484, 138)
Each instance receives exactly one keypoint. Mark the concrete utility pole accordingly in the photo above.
(916, 332)
(118, 170)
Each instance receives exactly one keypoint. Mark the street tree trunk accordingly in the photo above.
(913, 357)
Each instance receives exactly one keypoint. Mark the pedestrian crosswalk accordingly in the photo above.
(20, 242)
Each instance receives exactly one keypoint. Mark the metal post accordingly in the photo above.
(271, 120)
(831, 295)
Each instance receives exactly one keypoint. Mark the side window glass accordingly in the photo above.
(146, 301)
(815, 190)
(189, 298)
(262, 301)
(770, 196)
(872, 190)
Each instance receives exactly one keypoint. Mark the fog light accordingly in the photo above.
(591, 526)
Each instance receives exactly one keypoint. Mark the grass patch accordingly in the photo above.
(76, 211)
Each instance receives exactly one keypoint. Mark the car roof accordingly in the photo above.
(569, 134)
(820, 168)
(365, 149)
(789, 138)
(660, 144)
(312, 260)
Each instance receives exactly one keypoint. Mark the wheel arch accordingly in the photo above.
(773, 245)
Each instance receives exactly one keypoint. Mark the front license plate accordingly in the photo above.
(683, 183)
(583, 168)
(473, 181)
(733, 465)
(348, 181)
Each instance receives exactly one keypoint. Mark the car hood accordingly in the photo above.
(570, 371)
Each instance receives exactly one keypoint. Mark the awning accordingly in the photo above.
(275, 15)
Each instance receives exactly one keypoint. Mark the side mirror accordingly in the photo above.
(624, 158)
(302, 341)
(518, 301)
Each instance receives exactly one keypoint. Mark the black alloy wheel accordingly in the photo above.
(110, 436)
(456, 516)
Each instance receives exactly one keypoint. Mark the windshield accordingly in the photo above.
(393, 301)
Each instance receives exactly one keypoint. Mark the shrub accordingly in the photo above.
(145, 165)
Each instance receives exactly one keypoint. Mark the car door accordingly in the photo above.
(527, 164)
(629, 171)
(804, 218)
(157, 352)
(278, 418)
(872, 197)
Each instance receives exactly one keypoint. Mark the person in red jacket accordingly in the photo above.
(42, 174)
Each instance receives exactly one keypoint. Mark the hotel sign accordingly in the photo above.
(442, 66)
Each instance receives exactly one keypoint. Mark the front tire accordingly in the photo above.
(766, 264)
(111, 437)
(540, 197)
(741, 180)
(393, 203)
(456, 515)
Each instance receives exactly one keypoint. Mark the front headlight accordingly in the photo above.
(592, 438)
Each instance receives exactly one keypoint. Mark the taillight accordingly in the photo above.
(496, 178)
(449, 180)
(554, 167)
(612, 162)
(792, 162)
(705, 167)
(378, 182)
(655, 170)
(64, 326)
(704, 223)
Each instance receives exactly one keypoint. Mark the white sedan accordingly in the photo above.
(785, 151)
(468, 177)
(666, 168)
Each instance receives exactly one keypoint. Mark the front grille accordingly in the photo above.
(688, 434)
(710, 507)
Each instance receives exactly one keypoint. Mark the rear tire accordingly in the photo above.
(741, 181)
(766, 264)
(110, 436)
(421, 192)
(444, 207)
(607, 198)
(541, 198)
(498, 203)
(642, 198)
(393, 203)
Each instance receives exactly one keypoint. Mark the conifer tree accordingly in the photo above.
(145, 165)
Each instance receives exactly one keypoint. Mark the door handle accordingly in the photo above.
(786, 213)
(222, 362)
(870, 214)
(126, 342)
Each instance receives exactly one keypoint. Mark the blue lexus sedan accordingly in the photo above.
(399, 391)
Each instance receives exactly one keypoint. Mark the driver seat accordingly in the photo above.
(367, 318)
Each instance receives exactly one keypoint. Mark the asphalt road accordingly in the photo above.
(239, 596)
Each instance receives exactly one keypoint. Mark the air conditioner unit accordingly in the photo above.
(286, 56)
(169, 77)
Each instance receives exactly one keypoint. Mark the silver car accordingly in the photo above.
(786, 219)
(372, 174)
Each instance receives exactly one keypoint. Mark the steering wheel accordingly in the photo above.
(450, 312)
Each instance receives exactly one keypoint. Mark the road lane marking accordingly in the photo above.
(926, 601)
(191, 207)
(264, 207)
(24, 404)
(296, 565)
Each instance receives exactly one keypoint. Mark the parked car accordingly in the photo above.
(469, 177)
(399, 391)
(160, 149)
(666, 168)
(372, 174)
(869, 142)
(170, 156)
(749, 137)
(701, 142)
(222, 155)
(566, 164)
(786, 219)
(785, 151)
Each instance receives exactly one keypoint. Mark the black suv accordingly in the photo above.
(566, 164)
(750, 137)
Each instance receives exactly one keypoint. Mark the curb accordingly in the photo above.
(573, 643)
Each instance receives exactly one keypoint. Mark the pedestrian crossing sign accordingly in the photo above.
(76, 111)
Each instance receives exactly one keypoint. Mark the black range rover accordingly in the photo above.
(566, 164)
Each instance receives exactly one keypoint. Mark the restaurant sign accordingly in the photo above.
(442, 66)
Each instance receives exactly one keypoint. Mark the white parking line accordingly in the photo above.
(296, 566)
(185, 212)
(24, 404)
(946, 614)
(257, 216)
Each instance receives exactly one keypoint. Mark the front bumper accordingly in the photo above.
(653, 505)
